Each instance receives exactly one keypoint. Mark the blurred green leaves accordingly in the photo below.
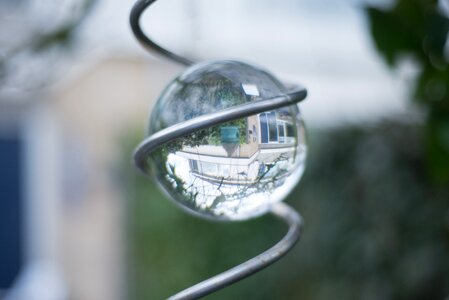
(63, 35)
(418, 29)
(413, 27)
(36, 44)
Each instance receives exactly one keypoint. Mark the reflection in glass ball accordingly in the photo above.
(235, 170)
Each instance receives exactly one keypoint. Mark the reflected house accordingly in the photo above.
(266, 151)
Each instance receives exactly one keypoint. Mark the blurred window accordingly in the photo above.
(11, 2)
(10, 210)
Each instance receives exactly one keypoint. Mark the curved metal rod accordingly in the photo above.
(201, 122)
(282, 211)
(134, 18)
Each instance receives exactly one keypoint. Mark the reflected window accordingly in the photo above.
(274, 129)
(281, 132)
(290, 130)
(194, 165)
(263, 128)
(209, 168)
(268, 127)
(254, 134)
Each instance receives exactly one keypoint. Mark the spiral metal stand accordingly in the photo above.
(282, 211)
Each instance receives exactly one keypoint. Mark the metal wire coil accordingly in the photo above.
(280, 210)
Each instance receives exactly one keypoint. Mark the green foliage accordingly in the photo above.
(63, 35)
(417, 28)
(14, 56)
(376, 228)
(208, 136)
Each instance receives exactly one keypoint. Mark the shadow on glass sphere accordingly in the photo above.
(235, 170)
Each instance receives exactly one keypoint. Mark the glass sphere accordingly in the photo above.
(235, 170)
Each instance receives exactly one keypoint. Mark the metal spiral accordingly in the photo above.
(144, 149)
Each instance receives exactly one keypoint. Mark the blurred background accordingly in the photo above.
(77, 221)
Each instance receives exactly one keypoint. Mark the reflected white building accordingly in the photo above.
(269, 147)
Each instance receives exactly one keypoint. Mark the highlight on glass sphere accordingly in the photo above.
(235, 170)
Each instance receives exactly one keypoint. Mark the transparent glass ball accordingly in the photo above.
(235, 170)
